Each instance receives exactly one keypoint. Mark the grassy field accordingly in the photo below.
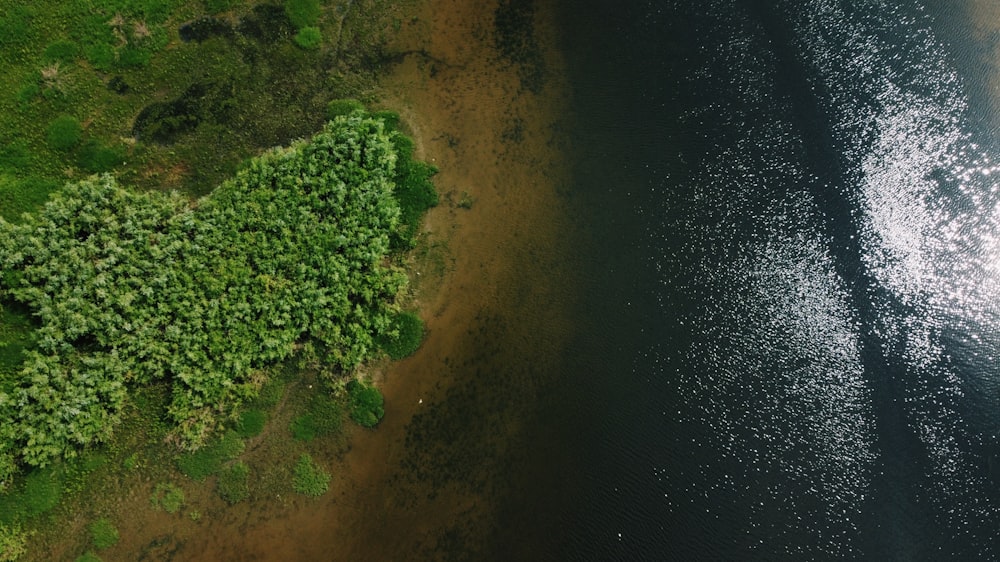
(166, 95)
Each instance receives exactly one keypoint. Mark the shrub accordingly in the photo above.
(309, 38)
(309, 478)
(337, 108)
(13, 543)
(168, 497)
(232, 484)
(251, 423)
(303, 13)
(88, 557)
(64, 132)
(404, 337)
(366, 403)
(103, 533)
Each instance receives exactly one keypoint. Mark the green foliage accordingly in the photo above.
(131, 287)
(208, 460)
(64, 132)
(366, 403)
(309, 478)
(88, 556)
(13, 543)
(404, 337)
(414, 190)
(168, 497)
(232, 484)
(340, 108)
(303, 13)
(103, 533)
(251, 423)
(309, 38)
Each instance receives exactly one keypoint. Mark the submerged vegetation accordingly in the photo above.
(179, 295)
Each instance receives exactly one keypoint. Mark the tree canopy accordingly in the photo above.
(133, 287)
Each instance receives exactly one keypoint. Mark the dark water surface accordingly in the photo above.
(788, 346)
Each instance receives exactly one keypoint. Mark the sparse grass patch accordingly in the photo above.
(103, 533)
(323, 417)
(232, 485)
(208, 460)
(168, 497)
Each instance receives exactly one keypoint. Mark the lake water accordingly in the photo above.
(787, 345)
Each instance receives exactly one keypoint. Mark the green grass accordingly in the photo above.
(323, 416)
(88, 557)
(64, 132)
(303, 13)
(251, 423)
(208, 460)
(309, 38)
(309, 478)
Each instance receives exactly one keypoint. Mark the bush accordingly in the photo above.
(103, 533)
(13, 543)
(303, 13)
(309, 478)
(64, 132)
(88, 557)
(366, 404)
(168, 497)
(251, 423)
(404, 337)
(309, 38)
(232, 484)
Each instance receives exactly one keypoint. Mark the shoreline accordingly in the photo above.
(436, 474)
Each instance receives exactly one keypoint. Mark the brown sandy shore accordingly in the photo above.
(445, 475)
